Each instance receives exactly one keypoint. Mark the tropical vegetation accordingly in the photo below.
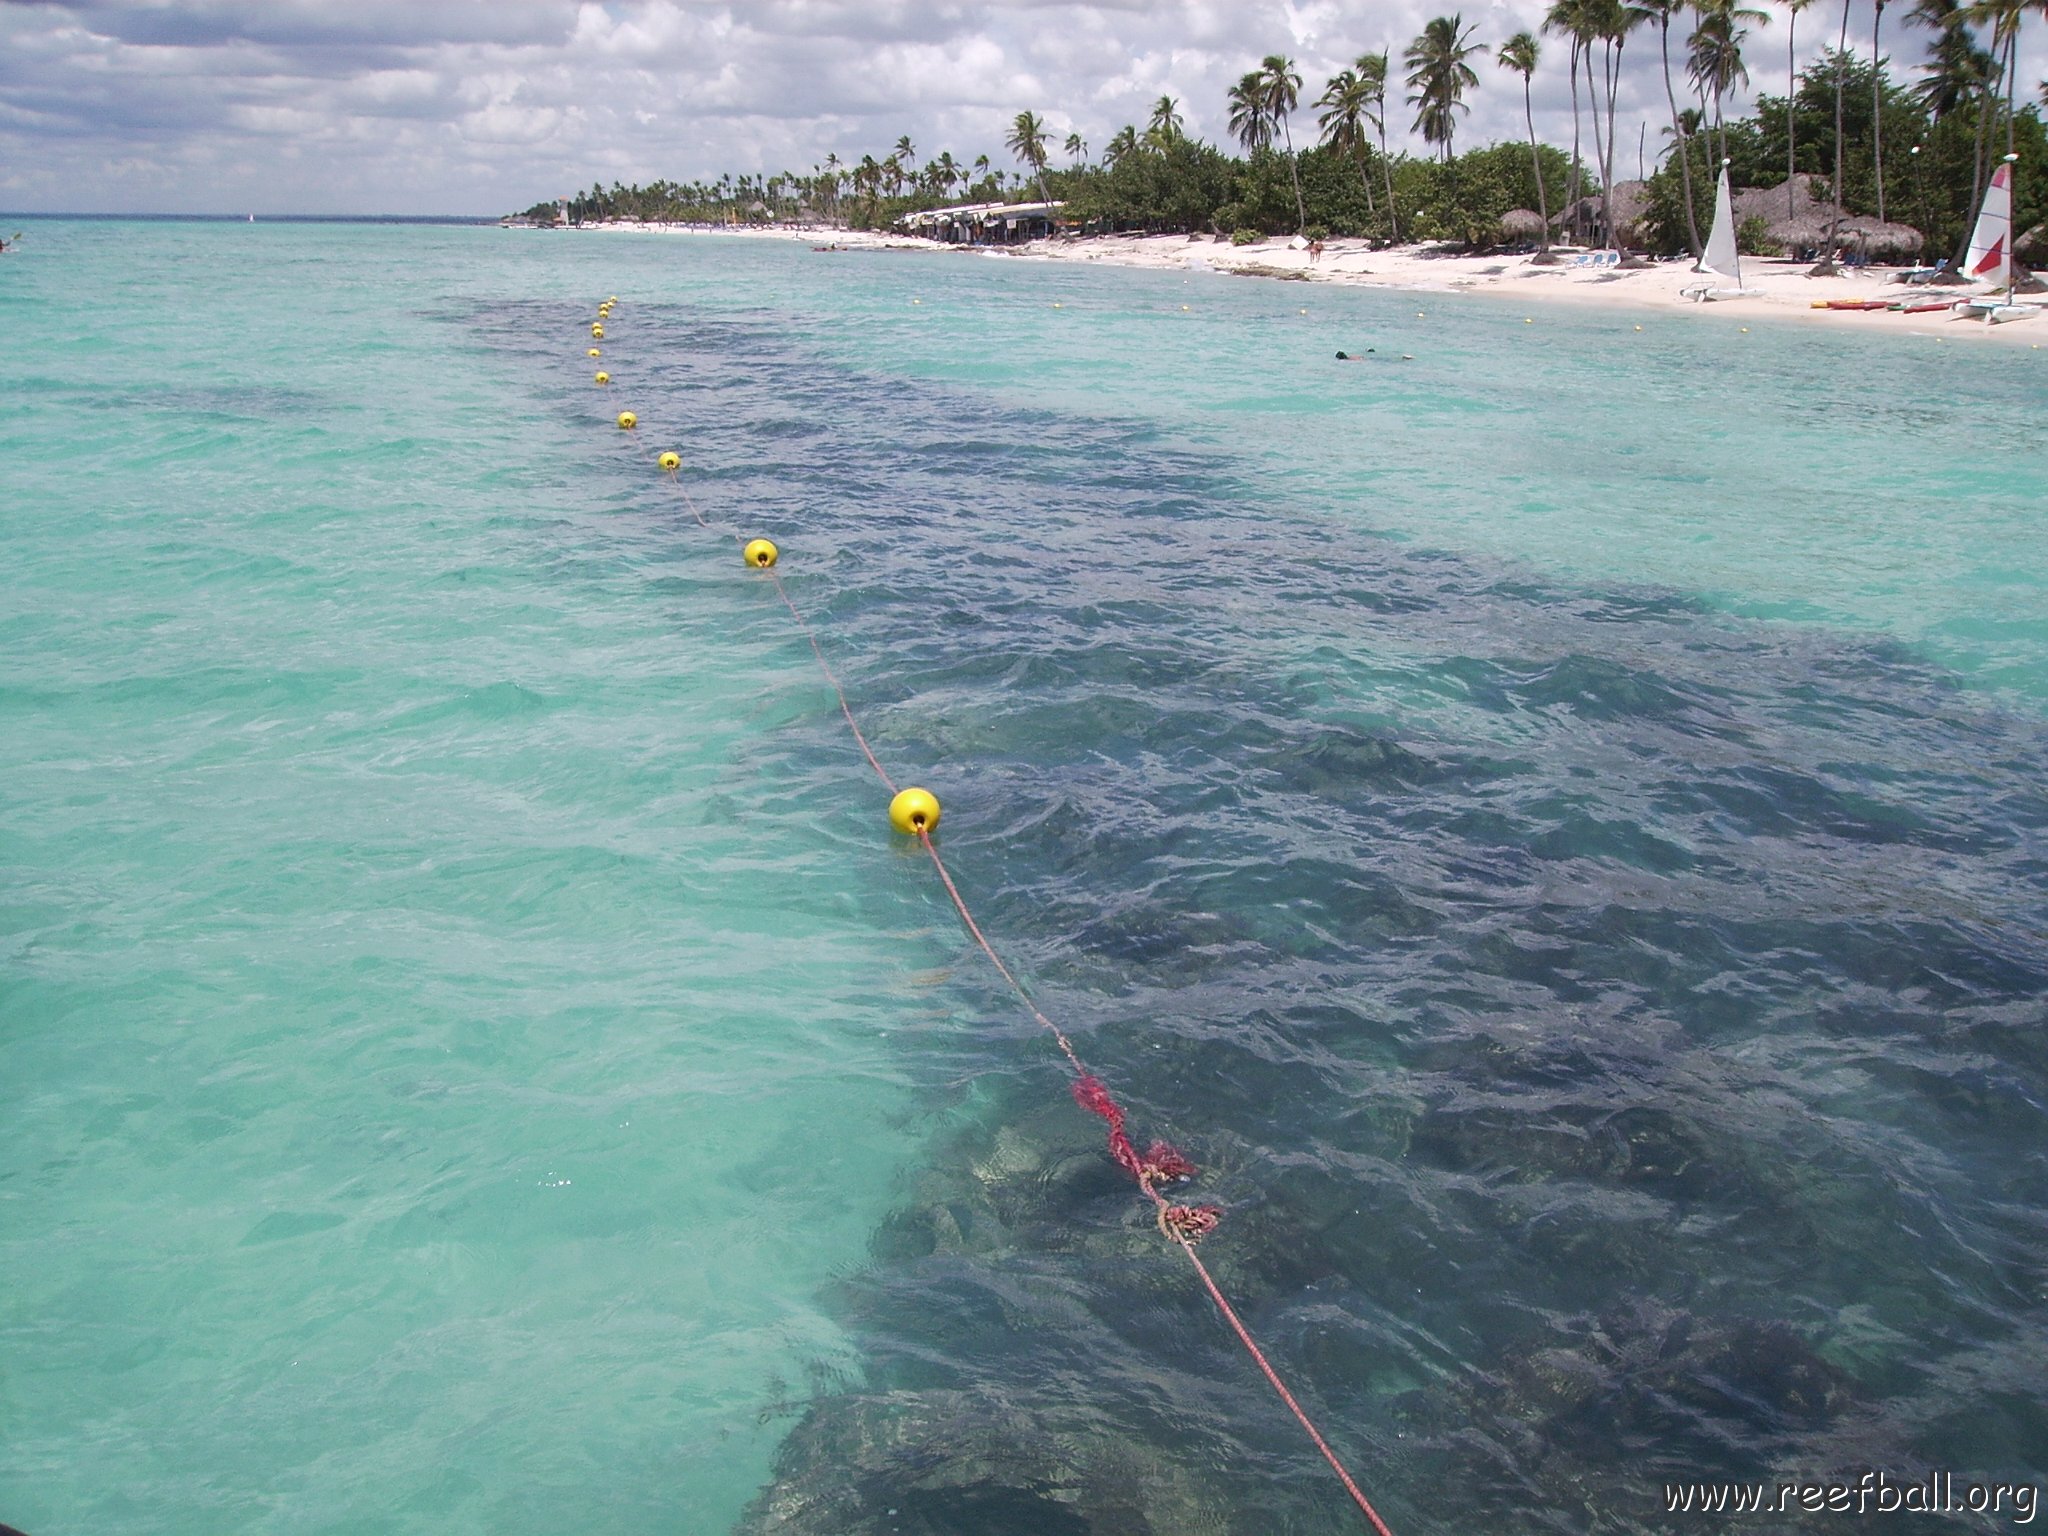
(1862, 138)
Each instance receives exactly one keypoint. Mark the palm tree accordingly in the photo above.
(1877, 107)
(1027, 143)
(1519, 53)
(1956, 66)
(946, 171)
(1714, 56)
(1077, 147)
(1611, 22)
(1165, 126)
(1122, 144)
(1792, 10)
(1661, 12)
(1440, 77)
(1826, 265)
(1566, 17)
(1372, 88)
(1343, 123)
(1249, 124)
(1280, 82)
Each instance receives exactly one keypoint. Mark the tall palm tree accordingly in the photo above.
(1165, 125)
(946, 171)
(1877, 107)
(1792, 10)
(1343, 123)
(1565, 17)
(1280, 82)
(1372, 88)
(1714, 58)
(1027, 143)
(1122, 144)
(1519, 53)
(1610, 22)
(1661, 11)
(1826, 265)
(1440, 77)
(1077, 147)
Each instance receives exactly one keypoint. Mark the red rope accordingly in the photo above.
(1162, 1163)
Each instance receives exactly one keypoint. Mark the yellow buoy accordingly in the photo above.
(761, 553)
(1183, 306)
(1745, 330)
(603, 377)
(613, 299)
(1639, 327)
(670, 462)
(628, 421)
(914, 811)
(595, 352)
(597, 331)
(1527, 320)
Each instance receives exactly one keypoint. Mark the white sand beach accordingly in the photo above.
(1783, 290)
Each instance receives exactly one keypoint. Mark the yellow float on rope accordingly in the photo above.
(914, 811)
(761, 553)
(595, 352)
(597, 331)
(628, 421)
(670, 462)
(603, 378)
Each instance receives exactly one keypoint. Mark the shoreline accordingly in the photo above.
(1783, 291)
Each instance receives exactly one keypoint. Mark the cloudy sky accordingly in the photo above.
(484, 106)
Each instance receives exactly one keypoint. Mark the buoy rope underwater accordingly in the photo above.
(915, 812)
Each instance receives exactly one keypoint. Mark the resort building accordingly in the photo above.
(984, 223)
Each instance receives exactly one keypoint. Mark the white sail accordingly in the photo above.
(1990, 255)
(1720, 257)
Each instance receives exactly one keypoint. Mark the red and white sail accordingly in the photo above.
(1990, 256)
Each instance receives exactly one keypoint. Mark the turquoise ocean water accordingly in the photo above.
(1556, 822)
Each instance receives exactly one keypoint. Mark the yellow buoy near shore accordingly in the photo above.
(761, 553)
(597, 331)
(670, 462)
(628, 421)
(596, 352)
(914, 811)
(603, 378)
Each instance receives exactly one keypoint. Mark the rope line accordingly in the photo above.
(1161, 1164)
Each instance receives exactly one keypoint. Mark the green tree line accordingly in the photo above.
(1914, 150)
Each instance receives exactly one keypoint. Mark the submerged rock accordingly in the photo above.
(972, 1463)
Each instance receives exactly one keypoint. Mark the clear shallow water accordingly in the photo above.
(1556, 824)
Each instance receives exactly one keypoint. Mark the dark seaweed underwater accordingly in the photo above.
(1613, 1029)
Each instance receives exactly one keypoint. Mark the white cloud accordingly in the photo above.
(478, 106)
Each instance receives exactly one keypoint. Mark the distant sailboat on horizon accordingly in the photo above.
(1720, 258)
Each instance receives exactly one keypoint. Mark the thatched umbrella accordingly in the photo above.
(1521, 224)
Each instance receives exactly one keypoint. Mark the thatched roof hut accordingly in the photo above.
(1857, 235)
(1812, 217)
(1521, 224)
(1772, 204)
(1631, 203)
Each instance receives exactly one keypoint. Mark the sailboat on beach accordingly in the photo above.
(1990, 255)
(1720, 257)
